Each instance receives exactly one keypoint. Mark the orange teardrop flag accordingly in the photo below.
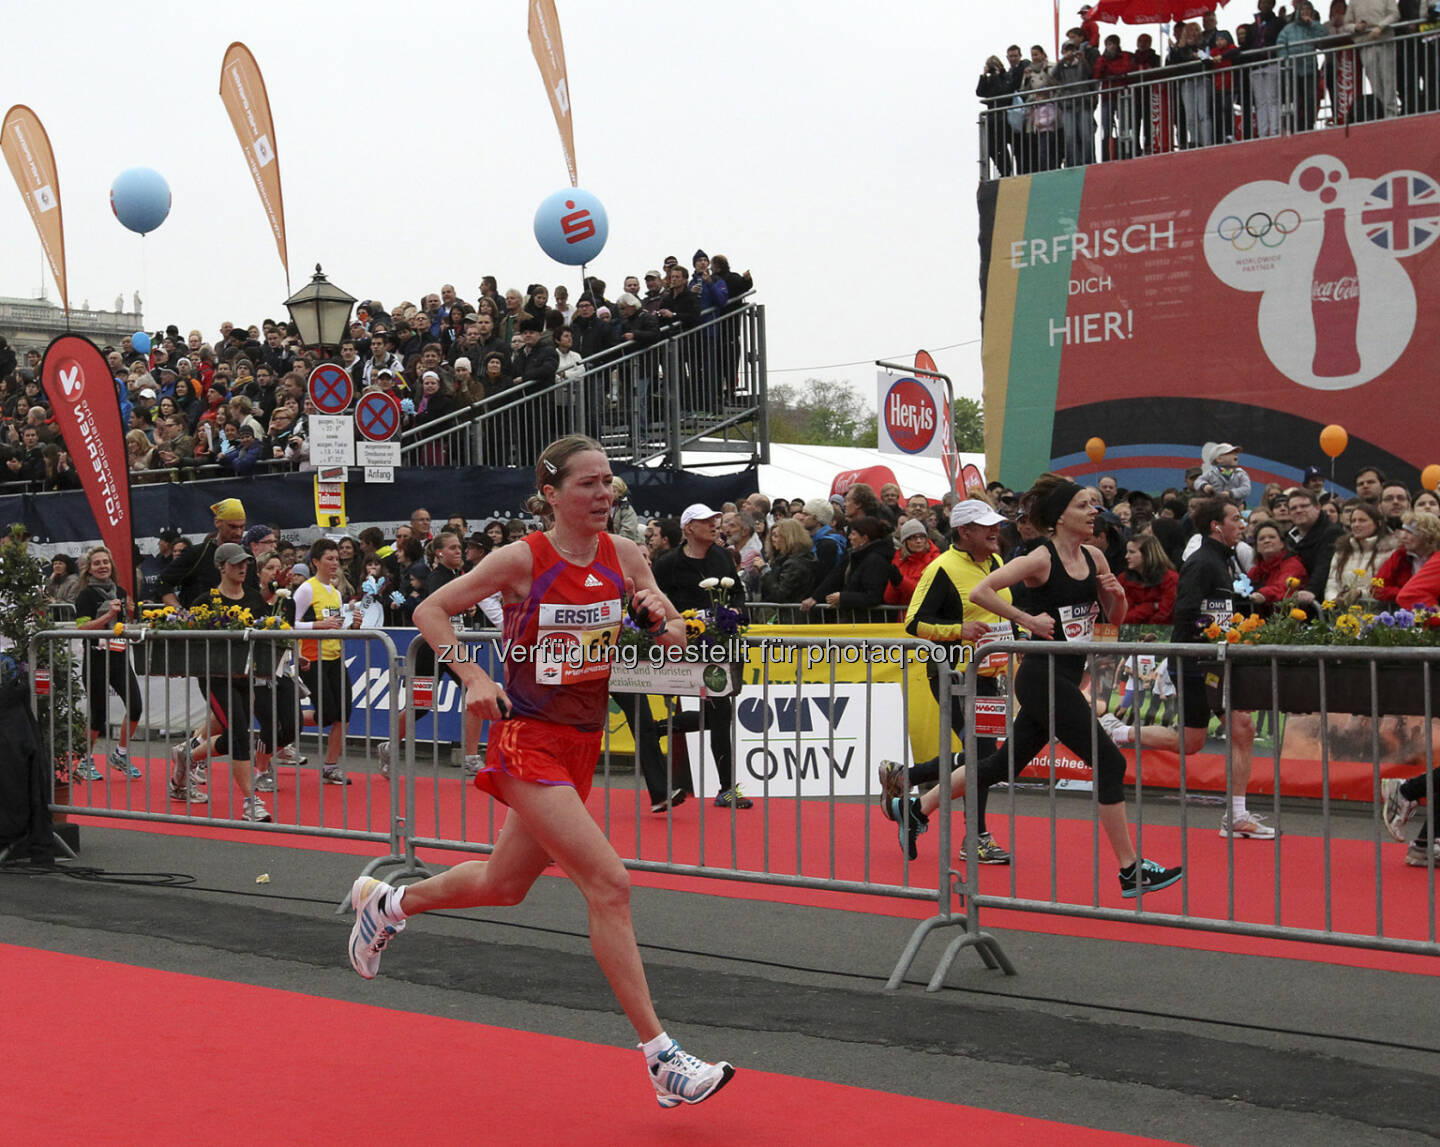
(549, 49)
(32, 162)
(242, 90)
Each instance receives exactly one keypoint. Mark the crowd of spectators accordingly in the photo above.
(1267, 76)
(237, 403)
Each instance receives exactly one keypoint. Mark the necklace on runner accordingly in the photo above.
(571, 553)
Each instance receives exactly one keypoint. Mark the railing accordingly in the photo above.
(804, 723)
(1366, 899)
(1277, 91)
(701, 389)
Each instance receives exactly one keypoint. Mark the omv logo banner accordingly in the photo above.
(827, 736)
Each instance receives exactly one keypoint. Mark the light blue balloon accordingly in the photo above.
(140, 198)
(571, 226)
(141, 342)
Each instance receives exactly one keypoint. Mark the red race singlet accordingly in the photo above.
(557, 640)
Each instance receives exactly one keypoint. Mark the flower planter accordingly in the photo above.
(1399, 688)
(677, 678)
(192, 658)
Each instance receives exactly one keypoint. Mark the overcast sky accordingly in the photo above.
(828, 147)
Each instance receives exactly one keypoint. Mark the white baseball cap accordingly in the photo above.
(973, 512)
(698, 512)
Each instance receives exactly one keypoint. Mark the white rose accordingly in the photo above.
(282, 592)
(727, 583)
(710, 583)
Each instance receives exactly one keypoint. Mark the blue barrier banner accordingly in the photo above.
(370, 686)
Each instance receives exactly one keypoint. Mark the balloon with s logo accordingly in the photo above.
(571, 226)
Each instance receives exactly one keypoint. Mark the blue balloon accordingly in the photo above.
(140, 198)
(571, 226)
(141, 342)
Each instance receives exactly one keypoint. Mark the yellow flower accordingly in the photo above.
(1252, 623)
(1377, 583)
(1369, 617)
(1359, 573)
(119, 628)
(1298, 614)
(1212, 631)
(1327, 604)
(1232, 636)
(1291, 582)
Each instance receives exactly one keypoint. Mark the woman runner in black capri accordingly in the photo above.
(1069, 582)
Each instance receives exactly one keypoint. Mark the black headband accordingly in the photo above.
(1058, 500)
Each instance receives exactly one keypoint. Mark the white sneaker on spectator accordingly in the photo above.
(289, 755)
(254, 809)
(1247, 824)
(382, 752)
(265, 782)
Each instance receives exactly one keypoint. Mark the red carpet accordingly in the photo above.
(135, 1056)
(776, 839)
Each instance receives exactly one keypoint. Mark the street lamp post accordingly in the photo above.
(320, 311)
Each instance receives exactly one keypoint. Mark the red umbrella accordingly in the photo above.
(1152, 11)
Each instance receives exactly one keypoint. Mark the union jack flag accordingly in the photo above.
(1402, 213)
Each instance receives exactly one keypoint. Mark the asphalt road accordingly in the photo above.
(1200, 1047)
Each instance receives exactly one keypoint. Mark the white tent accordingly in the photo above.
(797, 471)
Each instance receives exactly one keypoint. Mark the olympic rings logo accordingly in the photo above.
(1259, 227)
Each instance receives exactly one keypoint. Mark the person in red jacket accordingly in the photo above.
(1270, 577)
(915, 553)
(1150, 582)
(1112, 70)
(1420, 534)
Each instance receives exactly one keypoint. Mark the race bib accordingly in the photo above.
(574, 642)
(994, 662)
(115, 645)
(990, 717)
(1220, 609)
(1077, 622)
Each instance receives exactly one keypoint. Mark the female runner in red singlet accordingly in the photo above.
(564, 591)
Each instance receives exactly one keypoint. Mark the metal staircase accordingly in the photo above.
(698, 390)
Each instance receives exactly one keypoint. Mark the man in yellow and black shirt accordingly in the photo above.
(940, 610)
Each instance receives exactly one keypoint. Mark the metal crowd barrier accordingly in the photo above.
(806, 720)
(1284, 90)
(176, 673)
(832, 834)
(1365, 684)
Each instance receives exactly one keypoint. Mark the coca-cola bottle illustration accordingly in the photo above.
(1335, 302)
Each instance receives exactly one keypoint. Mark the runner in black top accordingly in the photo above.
(1070, 583)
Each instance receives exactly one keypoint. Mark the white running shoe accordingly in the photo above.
(1116, 729)
(382, 751)
(1247, 825)
(186, 791)
(265, 782)
(371, 931)
(254, 809)
(474, 762)
(289, 756)
(1395, 808)
(678, 1077)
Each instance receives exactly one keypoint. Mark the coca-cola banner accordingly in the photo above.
(86, 411)
(1251, 293)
